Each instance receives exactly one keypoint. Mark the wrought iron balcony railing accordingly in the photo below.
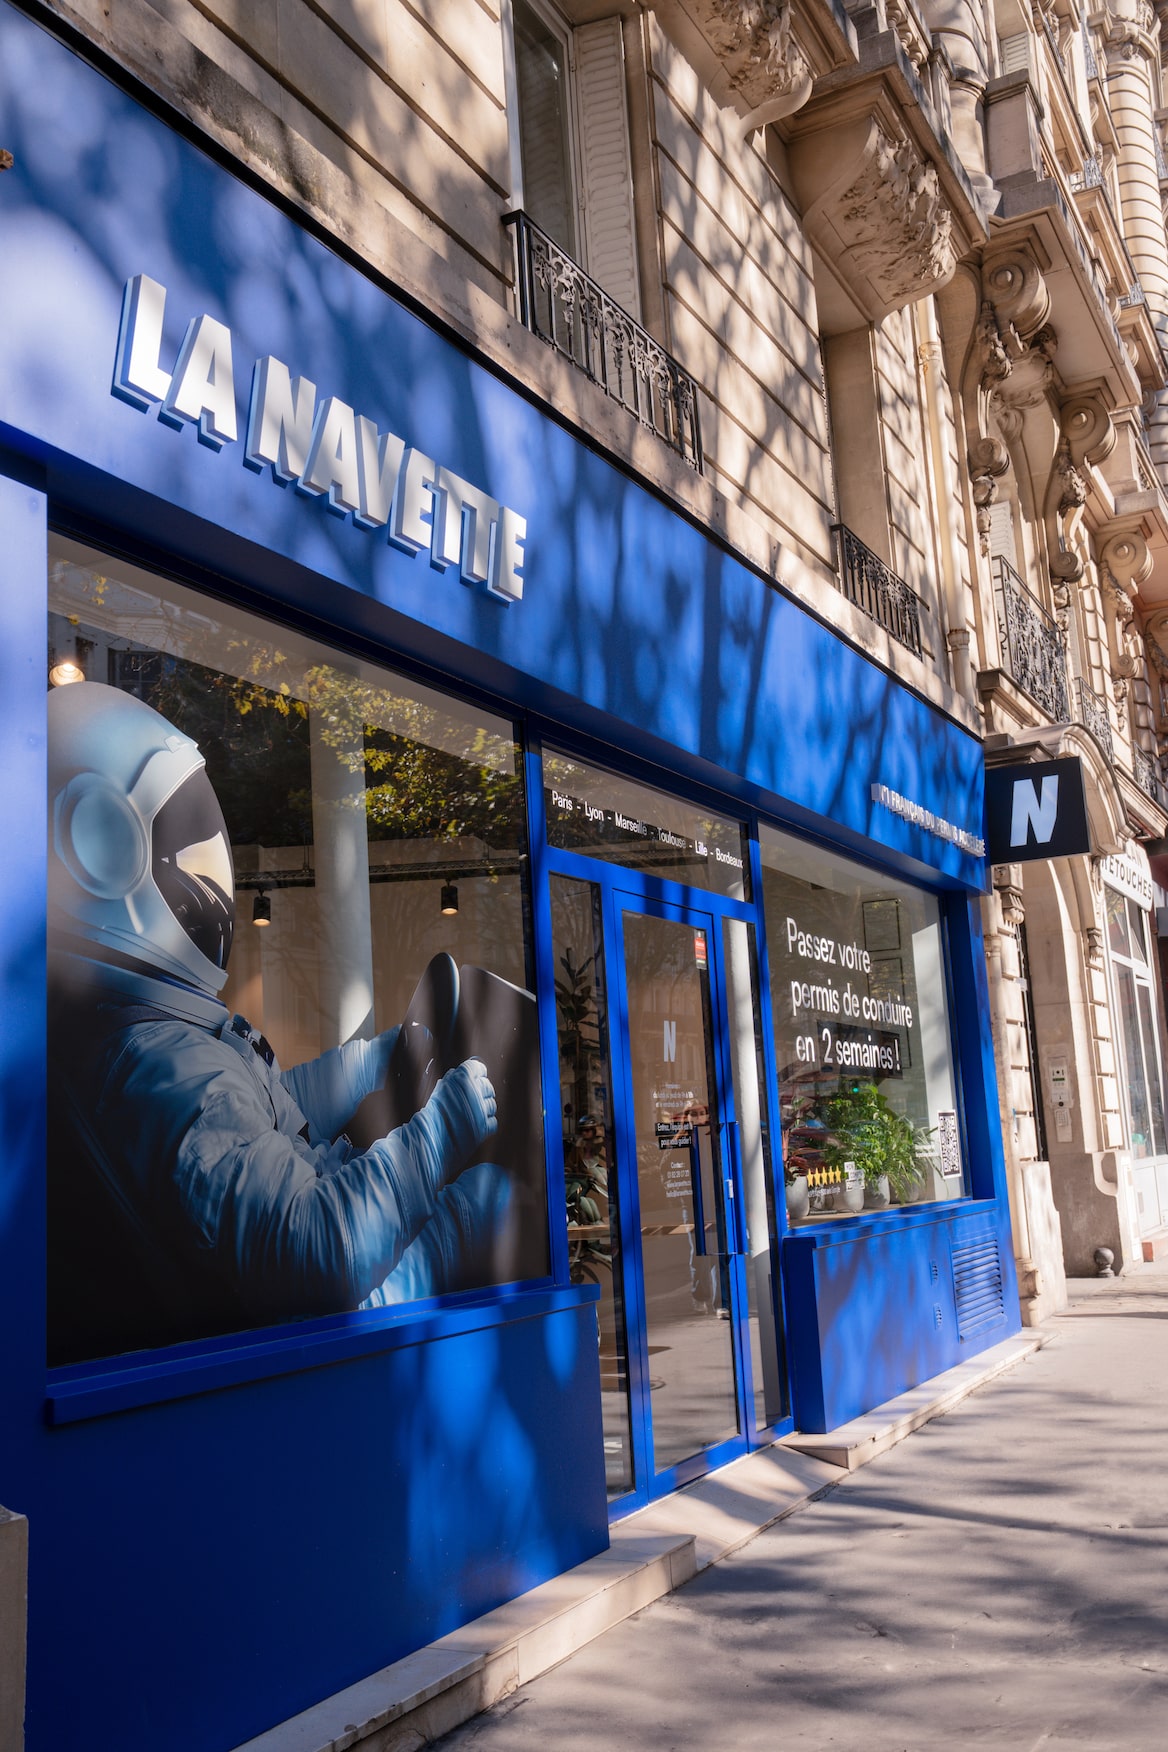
(1090, 177)
(874, 587)
(564, 307)
(1148, 778)
(1032, 646)
(1091, 711)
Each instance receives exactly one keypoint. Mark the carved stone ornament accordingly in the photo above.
(1093, 947)
(912, 40)
(1029, 383)
(988, 460)
(1127, 558)
(1156, 643)
(884, 225)
(767, 69)
(1065, 566)
(996, 363)
(1011, 902)
(1014, 285)
(1073, 487)
(1088, 428)
(1125, 38)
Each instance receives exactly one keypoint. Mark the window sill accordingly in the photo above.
(826, 1231)
(144, 1378)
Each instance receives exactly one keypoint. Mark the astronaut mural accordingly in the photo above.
(196, 1185)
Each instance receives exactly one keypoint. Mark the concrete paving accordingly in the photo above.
(997, 1581)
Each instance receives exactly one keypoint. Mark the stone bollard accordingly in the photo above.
(13, 1606)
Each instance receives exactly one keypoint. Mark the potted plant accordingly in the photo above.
(884, 1146)
(797, 1189)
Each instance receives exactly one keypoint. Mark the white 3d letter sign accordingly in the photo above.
(1029, 812)
(324, 446)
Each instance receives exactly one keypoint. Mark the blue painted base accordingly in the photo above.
(206, 1568)
(872, 1310)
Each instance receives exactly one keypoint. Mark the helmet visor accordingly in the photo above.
(191, 864)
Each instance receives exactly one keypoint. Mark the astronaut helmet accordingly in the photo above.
(140, 863)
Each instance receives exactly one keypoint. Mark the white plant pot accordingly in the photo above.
(877, 1195)
(850, 1196)
(798, 1197)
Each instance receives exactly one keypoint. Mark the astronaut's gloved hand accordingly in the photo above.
(457, 1120)
(328, 1090)
(378, 1054)
(459, 1247)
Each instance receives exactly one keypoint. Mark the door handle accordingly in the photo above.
(736, 1226)
(695, 1175)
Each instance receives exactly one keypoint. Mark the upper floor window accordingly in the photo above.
(572, 163)
(545, 126)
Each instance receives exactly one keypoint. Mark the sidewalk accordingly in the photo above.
(998, 1581)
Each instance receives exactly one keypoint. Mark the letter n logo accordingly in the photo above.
(1032, 812)
(670, 1042)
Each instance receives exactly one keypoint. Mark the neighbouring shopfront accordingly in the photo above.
(512, 982)
(1128, 895)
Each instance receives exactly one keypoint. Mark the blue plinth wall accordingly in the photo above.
(878, 1308)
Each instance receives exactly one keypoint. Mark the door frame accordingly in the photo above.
(646, 891)
(616, 903)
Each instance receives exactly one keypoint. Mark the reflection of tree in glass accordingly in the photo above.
(254, 742)
(255, 737)
(578, 1024)
(249, 702)
(586, 1192)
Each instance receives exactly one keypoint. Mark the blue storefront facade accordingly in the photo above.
(713, 873)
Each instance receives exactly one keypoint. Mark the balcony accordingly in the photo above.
(1031, 644)
(1147, 777)
(564, 307)
(1091, 711)
(872, 586)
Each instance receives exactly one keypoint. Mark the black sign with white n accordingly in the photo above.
(1036, 810)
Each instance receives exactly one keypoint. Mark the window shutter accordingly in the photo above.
(606, 183)
(1014, 53)
(1002, 531)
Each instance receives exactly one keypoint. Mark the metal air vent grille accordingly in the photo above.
(977, 1286)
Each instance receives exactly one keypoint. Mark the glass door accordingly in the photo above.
(688, 1233)
(669, 1175)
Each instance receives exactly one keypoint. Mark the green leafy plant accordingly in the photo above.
(585, 1186)
(586, 1189)
(865, 1130)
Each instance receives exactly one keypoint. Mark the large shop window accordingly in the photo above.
(866, 1085)
(294, 1065)
(1131, 972)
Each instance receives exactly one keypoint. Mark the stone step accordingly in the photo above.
(654, 1550)
(423, 1696)
(854, 1444)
